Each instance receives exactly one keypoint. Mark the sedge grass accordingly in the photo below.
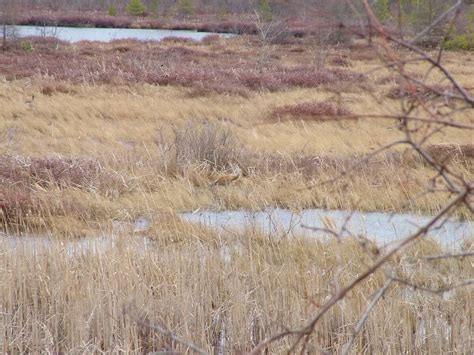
(202, 283)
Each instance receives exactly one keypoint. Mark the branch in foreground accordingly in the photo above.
(166, 332)
(448, 256)
(435, 23)
(309, 328)
(365, 315)
(438, 291)
(379, 28)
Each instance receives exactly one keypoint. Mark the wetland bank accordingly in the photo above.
(124, 138)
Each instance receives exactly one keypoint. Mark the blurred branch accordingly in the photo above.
(365, 315)
(165, 332)
(435, 23)
(380, 30)
(438, 291)
(309, 327)
(453, 124)
(448, 256)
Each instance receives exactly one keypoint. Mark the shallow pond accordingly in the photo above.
(76, 34)
(384, 228)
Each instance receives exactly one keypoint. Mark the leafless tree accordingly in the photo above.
(8, 13)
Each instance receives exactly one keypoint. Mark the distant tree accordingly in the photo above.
(424, 12)
(265, 10)
(186, 7)
(470, 21)
(112, 11)
(135, 8)
(7, 21)
(222, 9)
(382, 10)
(155, 8)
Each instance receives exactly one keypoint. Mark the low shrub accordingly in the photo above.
(316, 111)
(417, 92)
(59, 172)
(49, 89)
(209, 39)
(154, 63)
(207, 143)
(112, 10)
(27, 46)
(464, 42)
(174, 39)
(340, 61)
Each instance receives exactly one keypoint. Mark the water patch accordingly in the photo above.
(384, 228)
(76, 34)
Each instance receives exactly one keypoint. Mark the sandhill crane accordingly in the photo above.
(228, 178)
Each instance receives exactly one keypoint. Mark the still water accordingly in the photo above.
(76, 34)
(384, 228)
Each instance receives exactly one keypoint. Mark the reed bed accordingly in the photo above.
(222, 292)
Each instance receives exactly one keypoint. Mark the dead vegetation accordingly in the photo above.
(168, 63)
(314, 111)
(222, 292)
(128, 129)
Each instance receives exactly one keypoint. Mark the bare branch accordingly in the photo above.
(435, 23)
(309, 328)
(448, 256)
(365, 315)
(166, 332)
(446, 73)
(438, 291)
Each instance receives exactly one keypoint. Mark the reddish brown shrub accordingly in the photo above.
(364, 55)
(297, 50)
(417, 92)
(75, 20)
(173, 39)
(59, 172)
(135, 62)
(237, 27)
(317, 111)
(210, 39)
(340, 61)
(15, 204)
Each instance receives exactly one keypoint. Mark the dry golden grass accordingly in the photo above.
(124, 128)
(199, 284)
(202, 283)
(98, 119)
